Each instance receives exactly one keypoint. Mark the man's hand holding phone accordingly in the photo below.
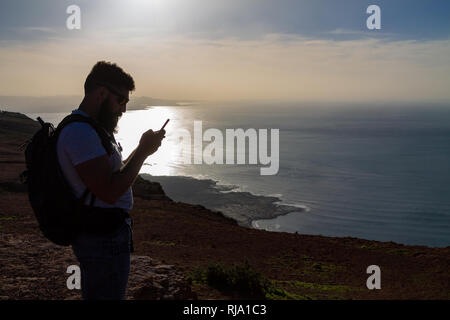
(151, 140)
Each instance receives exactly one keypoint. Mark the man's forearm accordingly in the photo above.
(129, 157)
(123, 179)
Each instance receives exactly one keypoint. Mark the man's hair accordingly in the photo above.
(110, 73)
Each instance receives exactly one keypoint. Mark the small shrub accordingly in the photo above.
(241, 280)
(217, 276)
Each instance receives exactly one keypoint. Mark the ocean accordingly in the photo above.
(373, 172)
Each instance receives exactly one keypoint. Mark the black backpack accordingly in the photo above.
(59, 213)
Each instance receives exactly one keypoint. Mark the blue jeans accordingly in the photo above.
(104, 263)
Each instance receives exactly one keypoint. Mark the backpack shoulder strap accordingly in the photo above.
(104, 136)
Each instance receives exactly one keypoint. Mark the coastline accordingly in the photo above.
(243, 207)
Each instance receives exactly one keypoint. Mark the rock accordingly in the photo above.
(148, 190)
(166, 288)
(150, 281)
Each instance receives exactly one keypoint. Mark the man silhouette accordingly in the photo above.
(103, 254)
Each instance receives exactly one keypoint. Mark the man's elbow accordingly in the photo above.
(108, 197)
(110, 201)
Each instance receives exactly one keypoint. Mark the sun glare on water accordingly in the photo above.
(134, 123)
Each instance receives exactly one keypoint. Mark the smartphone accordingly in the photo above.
(165, 124)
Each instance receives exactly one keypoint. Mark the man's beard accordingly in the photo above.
(107, 119)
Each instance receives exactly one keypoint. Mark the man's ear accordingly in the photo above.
(102, 94)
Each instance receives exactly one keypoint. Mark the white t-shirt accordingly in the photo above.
(79, 142)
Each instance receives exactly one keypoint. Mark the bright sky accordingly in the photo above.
(312, 50)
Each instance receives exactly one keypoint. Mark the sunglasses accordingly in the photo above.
(122, 99)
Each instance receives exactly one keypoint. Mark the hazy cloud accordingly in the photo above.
(276, 67)
(180, 49)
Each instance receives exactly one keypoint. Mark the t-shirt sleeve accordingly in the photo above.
(81, 143)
